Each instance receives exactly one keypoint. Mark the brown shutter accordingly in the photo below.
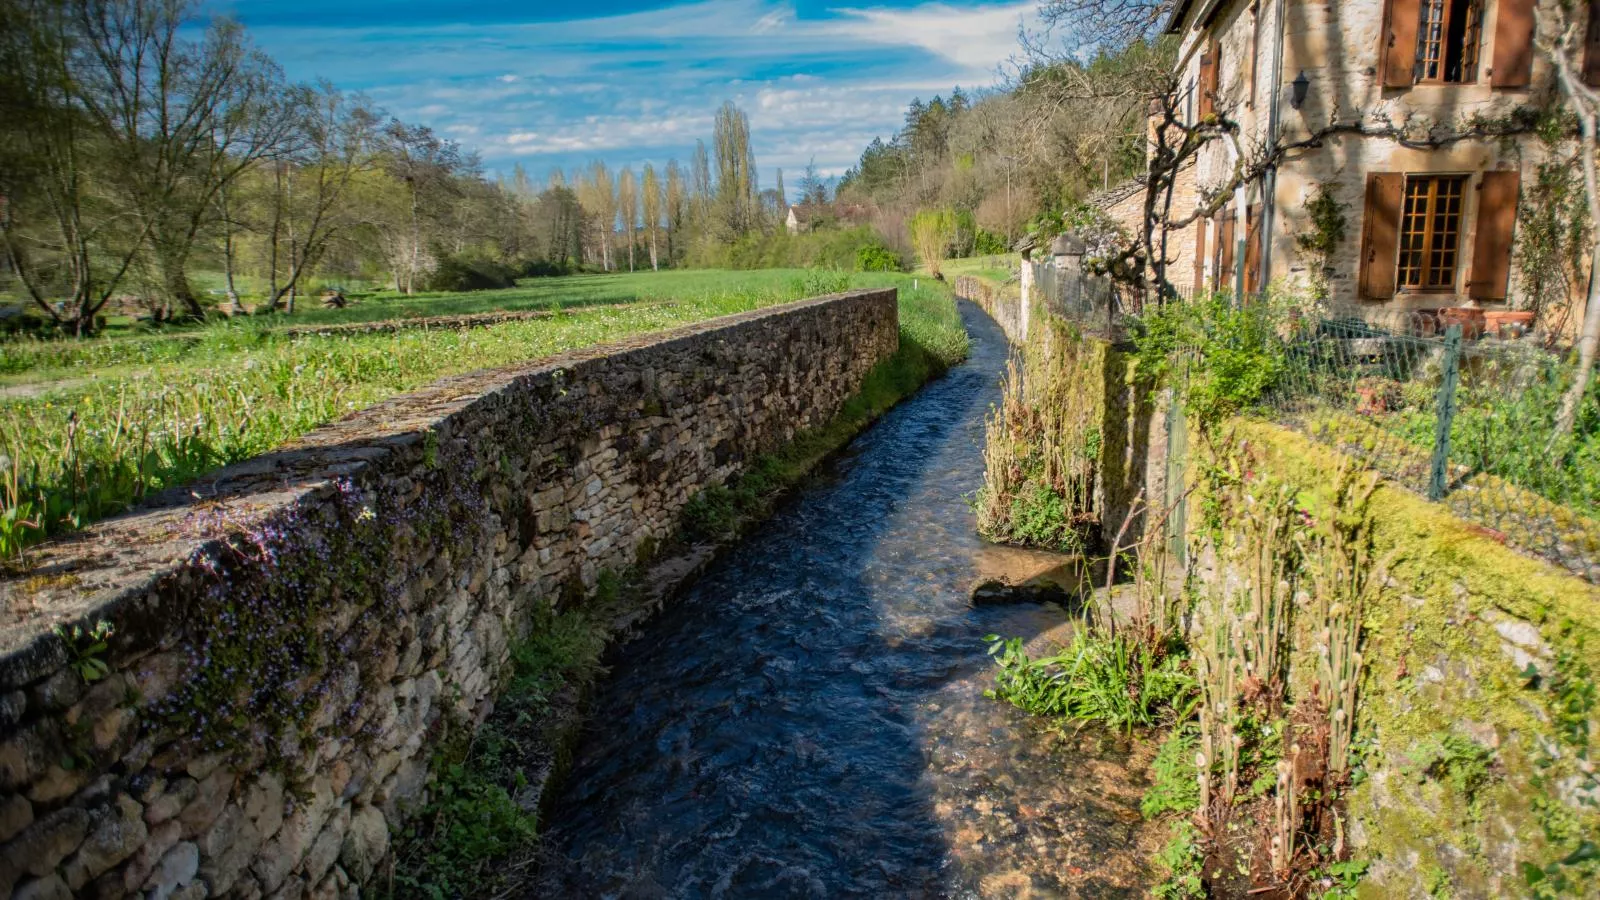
(1380, 234)
(1207, 85)
(1491, 248)
(1591, 46)
(1252, 249)
(1223, 279)
(1399, 47)
(1200, 229)
(1513, 45)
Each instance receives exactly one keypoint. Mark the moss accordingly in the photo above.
(1437, 664)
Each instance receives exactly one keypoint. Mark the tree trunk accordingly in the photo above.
(1584, 103)
(416, 244)
(1589, 338)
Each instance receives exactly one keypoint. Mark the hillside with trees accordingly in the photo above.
(984, 170)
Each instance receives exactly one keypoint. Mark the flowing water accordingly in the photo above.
(809, 719)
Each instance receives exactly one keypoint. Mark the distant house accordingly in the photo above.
(806, 216)
(800, 217)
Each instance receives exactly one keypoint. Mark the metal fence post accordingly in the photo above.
(1177, 469)
(1438, 477)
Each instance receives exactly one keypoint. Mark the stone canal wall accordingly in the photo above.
(288, 636)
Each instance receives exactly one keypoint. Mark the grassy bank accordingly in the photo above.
(474, 839)
(106, 435)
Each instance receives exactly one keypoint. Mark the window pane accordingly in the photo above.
(1430, 232)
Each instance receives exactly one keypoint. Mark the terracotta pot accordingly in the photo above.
(1508, 324)
(1372, 400)
(1469, 318)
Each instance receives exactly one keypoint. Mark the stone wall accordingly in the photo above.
(1003, 302)
(292, 634)
(1477, 725)
(1131, 429)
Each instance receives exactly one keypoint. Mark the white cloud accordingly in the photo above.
(646, 84)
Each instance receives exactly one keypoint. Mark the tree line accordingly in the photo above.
(140, 144)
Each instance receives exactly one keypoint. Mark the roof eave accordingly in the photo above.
(1175, 21)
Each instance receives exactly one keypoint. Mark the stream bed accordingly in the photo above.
(808, 720)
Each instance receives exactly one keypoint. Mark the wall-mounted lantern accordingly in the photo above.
(1298, 90)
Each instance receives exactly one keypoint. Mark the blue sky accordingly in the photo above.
(630, 81)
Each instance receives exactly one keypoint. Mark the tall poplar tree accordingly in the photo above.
(650, 187)
(628, 209)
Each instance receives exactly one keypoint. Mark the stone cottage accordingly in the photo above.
(1383, 149)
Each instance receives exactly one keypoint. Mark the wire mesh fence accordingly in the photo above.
(1094, 302)
(1457, 405)
(1458, 409)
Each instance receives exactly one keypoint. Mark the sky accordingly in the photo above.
(630, 81)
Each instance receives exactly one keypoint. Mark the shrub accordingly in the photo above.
(466, 273)
(877, 258)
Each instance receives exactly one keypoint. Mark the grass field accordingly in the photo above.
(996, 268)
(89, 427)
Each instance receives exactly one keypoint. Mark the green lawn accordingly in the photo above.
(31, 360)
(996, 268)
(94, 425)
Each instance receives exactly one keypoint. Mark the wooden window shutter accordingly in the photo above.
(1252, 249)
(1513, 45)
(1491, 248)
(1223, 279)
(1210, 62)
(1201, 226)
(1380, 234)
(1591, 46)
(1399, 47)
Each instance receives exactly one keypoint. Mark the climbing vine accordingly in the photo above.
(1328, 224)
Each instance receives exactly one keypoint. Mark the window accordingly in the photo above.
(1447, 41)
(1430, 232)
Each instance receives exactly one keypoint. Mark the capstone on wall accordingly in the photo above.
(292, 634)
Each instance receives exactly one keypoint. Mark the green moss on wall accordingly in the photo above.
(1468, 649)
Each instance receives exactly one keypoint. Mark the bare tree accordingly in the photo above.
(60, 234)
(736, 184)
(1080, 26)
(338, 136)
(180, 119)
(598, 194)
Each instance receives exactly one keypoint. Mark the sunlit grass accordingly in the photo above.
(109, 432)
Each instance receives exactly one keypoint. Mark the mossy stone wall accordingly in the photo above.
(1477, 722)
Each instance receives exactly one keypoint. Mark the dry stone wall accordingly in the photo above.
(290, 635)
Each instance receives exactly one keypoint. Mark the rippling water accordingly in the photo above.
(808, 721)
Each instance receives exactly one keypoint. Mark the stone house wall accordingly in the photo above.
(292, 634)
(1412, 130)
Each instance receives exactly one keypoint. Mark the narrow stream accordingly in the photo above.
(809, 720)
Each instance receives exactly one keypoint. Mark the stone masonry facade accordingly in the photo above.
(291, 636)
